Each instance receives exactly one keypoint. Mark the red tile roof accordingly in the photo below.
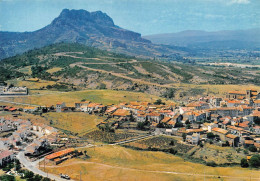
(59, 153)
(5, 154)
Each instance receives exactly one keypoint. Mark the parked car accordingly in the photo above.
(64, 176)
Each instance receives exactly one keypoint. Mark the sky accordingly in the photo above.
(143, 16)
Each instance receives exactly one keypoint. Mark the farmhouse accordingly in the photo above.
(60, 156)
(60, 106)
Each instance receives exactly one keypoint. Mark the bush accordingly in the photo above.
(210, 135)
(172, 151)
(159, 102)
(7, 178)
(244, 163)
(28, 174)
(211, 164)
(255, 161)
(184, 136)
(252, 148)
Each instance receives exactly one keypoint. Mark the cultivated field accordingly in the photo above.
(116, 162)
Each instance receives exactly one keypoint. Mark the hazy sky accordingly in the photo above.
(143, 16)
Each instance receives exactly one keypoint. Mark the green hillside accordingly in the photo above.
(75, 66)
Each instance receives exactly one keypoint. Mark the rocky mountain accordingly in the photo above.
(237, 39)
(95, 29)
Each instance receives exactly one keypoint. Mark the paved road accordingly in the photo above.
(33, 166)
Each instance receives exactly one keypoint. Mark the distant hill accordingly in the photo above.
(76, 66)
(95, 29)
(238, 39)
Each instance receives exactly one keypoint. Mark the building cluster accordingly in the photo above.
(10, 90)
(234, 120)
(231, 121)
(22, 134)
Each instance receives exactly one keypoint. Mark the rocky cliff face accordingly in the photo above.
(89, 28)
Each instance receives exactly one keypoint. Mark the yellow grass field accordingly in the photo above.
(49, 98)
(31, 84)
(76, 122)
(217, 89)
(53, 70)
(119, 163)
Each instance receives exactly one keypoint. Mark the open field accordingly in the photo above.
(49, 98)
(30, 84)
(76, 122)
(110, 162)
(217, 90)
(54, 69)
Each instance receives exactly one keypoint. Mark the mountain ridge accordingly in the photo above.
(194, 38)
(95, 29)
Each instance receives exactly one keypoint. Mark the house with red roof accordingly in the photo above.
(6, 157)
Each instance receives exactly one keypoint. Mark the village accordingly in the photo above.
(231, 121)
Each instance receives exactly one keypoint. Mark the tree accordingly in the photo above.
(244, 163)
(28, 174)
(188, 126)
(255, 161)
(159, 102)
(227, 143)
(184, 136)
(252, 148)
(187, 122)
(46, 179)
(37, 178)
(7, 178)
(172, 143)
(210, 135)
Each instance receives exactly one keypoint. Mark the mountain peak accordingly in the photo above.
(82, 17)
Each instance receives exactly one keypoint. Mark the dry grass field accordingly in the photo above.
(53, 70)
(76, 122)
(216, 89)
(118, 163)
(31, 84)
(49, 98)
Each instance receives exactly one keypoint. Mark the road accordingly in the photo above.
(33, 166)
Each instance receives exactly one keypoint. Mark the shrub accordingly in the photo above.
(255, 161)
(244, 163)
(210, 135)
(7, 178)
(252, 148)
(211, 164)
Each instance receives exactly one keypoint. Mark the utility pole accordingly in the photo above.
(44, 164)
(80, 176)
